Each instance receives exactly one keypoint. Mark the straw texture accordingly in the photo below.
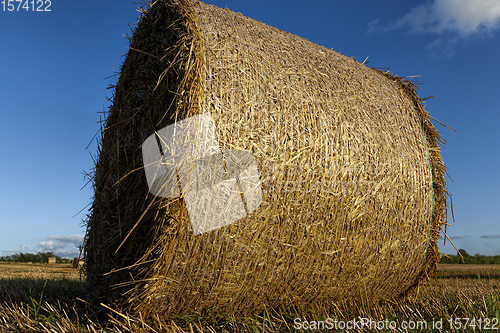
(353, 189)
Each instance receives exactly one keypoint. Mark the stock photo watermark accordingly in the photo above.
(26, 5)
(219, 187)
(383, 325)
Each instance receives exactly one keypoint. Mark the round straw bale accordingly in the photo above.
(348, 183)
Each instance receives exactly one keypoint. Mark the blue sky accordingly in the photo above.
(53, 67)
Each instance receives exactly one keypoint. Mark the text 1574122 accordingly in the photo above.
(26, 5)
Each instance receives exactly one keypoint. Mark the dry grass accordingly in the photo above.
(43, 271)
(62, 307)
(469, 267)
(482, 272)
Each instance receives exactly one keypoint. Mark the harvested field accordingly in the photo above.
(468, 268)
(38, 270)
(483, 272)
(62, 308)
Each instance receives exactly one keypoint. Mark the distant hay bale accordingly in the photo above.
(78, 262)
(51, 260)
(350, 195)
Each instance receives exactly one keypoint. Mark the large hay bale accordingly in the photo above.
(351, 178)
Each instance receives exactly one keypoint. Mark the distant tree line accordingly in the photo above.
(38, 257)
(468, 259)
(453, 259)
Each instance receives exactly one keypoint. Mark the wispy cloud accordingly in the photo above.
(442, 47)
(464, 17)
(452, 20)
(63, 246)
(22, 248)
(485, 244)
(456, 237)
(76, 239)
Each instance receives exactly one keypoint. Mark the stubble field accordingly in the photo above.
(52, 298)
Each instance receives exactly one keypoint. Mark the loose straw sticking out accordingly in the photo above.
(118, 313)
(353, 188)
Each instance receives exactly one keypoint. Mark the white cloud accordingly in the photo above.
(63, 246)
(450, 21)
(464, 17)
(46, 246)
(76, 239)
